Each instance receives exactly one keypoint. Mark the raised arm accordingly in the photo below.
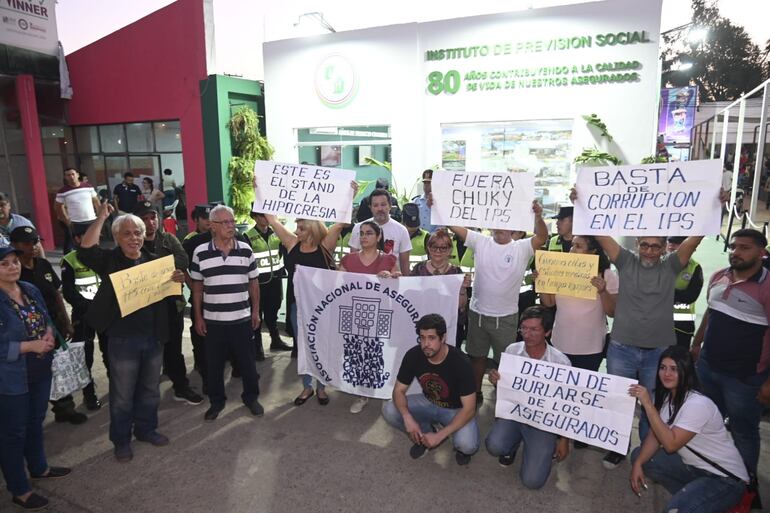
(541, 230)
(330, 241)
(610, 246)
(288, 239)
(687, 248)
(91, 237)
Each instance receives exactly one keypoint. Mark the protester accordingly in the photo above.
(369, 260)
(39, 272)
(311, 246)
(269, 255)
(163, 244)
(562, 241)
(439, 247)
(422, 202)
(580, 326)
(126, 194)
(225, 294)
(541, 448)
(688, 450)
(395, 237)
(26, 342)
(9, 221)
(76, 203)
(418, 237)
(733, 363)
(689, 283)
(79, 287)
(500, 263)
(135, 349)
(447, 399)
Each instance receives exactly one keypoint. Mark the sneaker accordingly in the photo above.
(612, 460)
(213, 412)
(33, 502)
(359, 404)
(461, 458)
(123, 453)
(188, 395)
(417, 451)
(255, 408)
(280, 345)
(54, 473)
(506, 460)
(154, 438)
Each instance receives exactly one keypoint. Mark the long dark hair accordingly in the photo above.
(595, 247)
(687, 380)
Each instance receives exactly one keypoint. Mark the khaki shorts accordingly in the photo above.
(486, 332)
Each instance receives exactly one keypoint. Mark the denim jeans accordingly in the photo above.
(506, 436)
(134, 395)
(222, 342)
(737, 399)
(693, 490)
(425, 413)
(21, 435)
(635, 363)
(307, 379)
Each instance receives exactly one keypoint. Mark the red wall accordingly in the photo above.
(149, 70)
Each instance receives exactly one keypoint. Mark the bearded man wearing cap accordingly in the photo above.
(163, 244)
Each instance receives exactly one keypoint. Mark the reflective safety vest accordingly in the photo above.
(266, 252)
(190, 235)
(554, 244)
(683, 311)
(419, 252)
(454, 258)
(467, 264)
(342, 248)
(86, 280)
(529, 277)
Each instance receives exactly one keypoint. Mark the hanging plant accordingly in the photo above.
(595, 121)
(248, 147)
(595, 156)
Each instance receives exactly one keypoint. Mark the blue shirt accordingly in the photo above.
(422, 202)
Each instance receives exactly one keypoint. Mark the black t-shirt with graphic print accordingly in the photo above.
(443, 384)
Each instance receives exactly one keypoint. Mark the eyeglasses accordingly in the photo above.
(228, 222)
(645, 246)
(528, 330)
(440, 248)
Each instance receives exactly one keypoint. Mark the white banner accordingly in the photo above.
(578, 404)
(483, 200)
(354, 329)
(30, 24)
(303, 191)
(669, 199)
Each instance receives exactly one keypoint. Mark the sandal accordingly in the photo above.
(300, 399)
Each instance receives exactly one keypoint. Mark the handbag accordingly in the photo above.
(750, 499)
(68, 369)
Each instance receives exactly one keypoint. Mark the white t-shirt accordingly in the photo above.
(552, 355)
(581, 325)
(499, 272)
(394, 236)
(78, 202)
(701, 416)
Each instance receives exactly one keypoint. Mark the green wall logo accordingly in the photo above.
(336, 82)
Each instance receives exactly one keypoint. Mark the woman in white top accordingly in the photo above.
(688, 450)
(581, 324)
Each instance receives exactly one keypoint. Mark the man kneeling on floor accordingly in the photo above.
(540, 447)
(448, 398)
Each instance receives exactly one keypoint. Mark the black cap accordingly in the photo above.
(25, 234)
(7, 250)
(201, 211)
(410, 215)
(675, 240)
(564, 212)
(142, 208)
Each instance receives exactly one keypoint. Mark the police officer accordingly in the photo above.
(562, 241)
(687, 288)
(419, 237)
(268, 253)
(79, 286)
(200, 215)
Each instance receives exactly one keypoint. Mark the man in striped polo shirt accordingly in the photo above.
(225, 294)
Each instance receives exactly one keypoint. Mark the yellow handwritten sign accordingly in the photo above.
(144, 284)
(568, 274)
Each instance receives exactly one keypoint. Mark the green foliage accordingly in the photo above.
(652, 159)
(595, 121)
(595, 156)
(248, 147)
(724, 66)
